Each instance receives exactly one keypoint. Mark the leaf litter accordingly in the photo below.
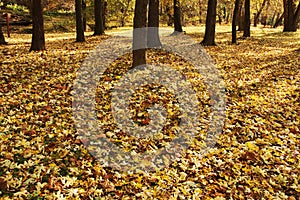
(256, 156)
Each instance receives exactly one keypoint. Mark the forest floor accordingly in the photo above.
(256, 156)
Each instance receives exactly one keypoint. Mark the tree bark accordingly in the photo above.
(241, 16)
(104, 7)
(256, 18)
(84, 14)
(210, 25)
(99, 27)
(140, 35)
(170, 19)
(291, 16)
(296, 16)
(177, 16)
(234, 20)
(38, 34)
(125, 12)
(153, 22)
(279, 20)
(2, 39)
(247, 19)
(200, 11)
(79, 21)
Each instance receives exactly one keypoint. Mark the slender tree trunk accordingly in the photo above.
(140, 35)
(124, 11)
(234, 20)
(99, 28)
(273, 19)
(79, 21)
(200, 11)
(256, 17)
(2, 39)
(38, 35)
(153, 21)
(177, 16)
(241, 16)
(170, 17)
(247, 19)
(220, 19)
(210, 25)
(224, 14)
(278, 21)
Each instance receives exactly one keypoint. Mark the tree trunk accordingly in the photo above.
(170, 17)
(84, 14)
(247, 19)
(278, 21)
(79, 21)
(234, 20)
(200, 11)
(296, 17)
(256, 17)
(2, 39)
(291, 16)
(99, 28)
(210, 25)
(177, 16)
(273, 18)
(220, 19)
(140, 35)
(241, 17)
(124, 10)
(38, 35)
(153, 21)
(104, 7)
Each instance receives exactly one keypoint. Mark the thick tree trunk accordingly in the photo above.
(84, 14)
(79, 21)
(177, 16)
(2, 39)
(296, 16)
(234, 20)
(247, 19)
(291, 15)
(210, 25)
(140, 35)
(38, 35)
(256, 17)
(153, 21)
(104, 7)
(288, 15)
(99, 27)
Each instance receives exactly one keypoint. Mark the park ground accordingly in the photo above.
(257, 156)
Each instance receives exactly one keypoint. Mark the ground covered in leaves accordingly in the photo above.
(256, 157)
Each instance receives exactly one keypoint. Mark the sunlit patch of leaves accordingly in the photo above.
(145, 97)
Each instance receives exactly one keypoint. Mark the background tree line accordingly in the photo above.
(170, 12)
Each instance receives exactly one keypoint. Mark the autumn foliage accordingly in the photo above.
(256, 156)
